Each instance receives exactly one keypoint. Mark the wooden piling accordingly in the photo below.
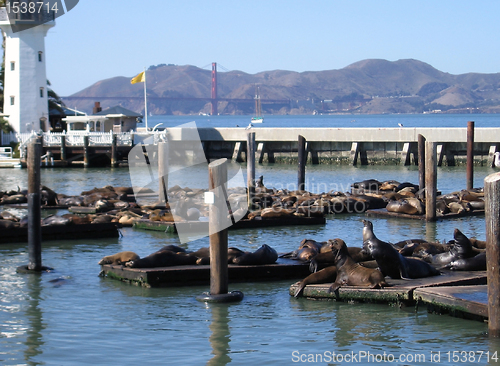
(302, 163)
(492, 216)
(250, 168)
(470, 154)
(86, 151)
(114, 151)
(34, 207)
(421, 161)
(430, 180)
(218, 211)
(217, 178)
(163, 172)
(63, 149)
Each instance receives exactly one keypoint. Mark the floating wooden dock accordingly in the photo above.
(62, 232)
(198, 226)
(382, 212)
(200, 274)
(451, 292)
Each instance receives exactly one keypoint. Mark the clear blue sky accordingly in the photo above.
(100, 39)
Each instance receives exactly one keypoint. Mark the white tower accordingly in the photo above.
(25, 84)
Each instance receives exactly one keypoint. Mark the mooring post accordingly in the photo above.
(114, 151)
(86, 151)
(302, 157)
(34, 207)
(430, 180)
(421, 161)
(492, 217)
(63, 149)
(470, 154)
(250, 169)
(163, 172)
(218, 235)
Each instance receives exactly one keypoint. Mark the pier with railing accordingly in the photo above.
(355, 146)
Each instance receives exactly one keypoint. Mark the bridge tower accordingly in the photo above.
(25, 83)
(214, 89)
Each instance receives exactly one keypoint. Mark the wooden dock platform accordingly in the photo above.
(62, 232)
(200, 274)
(469, 302)
(382, 212)
(198, 226)
(453, 292)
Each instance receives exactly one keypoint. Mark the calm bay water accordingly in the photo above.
(82, 319)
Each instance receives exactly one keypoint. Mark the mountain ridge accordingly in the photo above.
(366, 86)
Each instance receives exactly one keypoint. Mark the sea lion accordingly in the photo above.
(460, 248)
(327, 256)
(119, 258)
(367, 184)
(172, 248)
(55, 220)
(6, 215)
(48, 197)
(423, 250)
(328, 274)
(401, 206)
(164, 258)
(8, 224)
(476, 263)
(351, 273)
(264, 255)
(391, 263)
(479, 244)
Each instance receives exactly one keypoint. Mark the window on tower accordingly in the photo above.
(12, 99)
(12, 65)
(40, 56)
(41, 92)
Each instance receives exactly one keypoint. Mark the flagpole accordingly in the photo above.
(145, 101)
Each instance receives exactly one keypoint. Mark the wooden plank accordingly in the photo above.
(456, 300)
(200, 274)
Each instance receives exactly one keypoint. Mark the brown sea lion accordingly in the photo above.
(401, 206)
(264, 255)
(164, 258)
(480, 244)
(328, 274)
(8, 224)
(351, 273)
(326, 256)
(119, 258)
(391, 263)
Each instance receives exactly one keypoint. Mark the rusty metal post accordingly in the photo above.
(470, 154)
(492, 212)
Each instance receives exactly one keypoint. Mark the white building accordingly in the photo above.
(25, 83)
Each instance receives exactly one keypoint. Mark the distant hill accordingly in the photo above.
(368, 86)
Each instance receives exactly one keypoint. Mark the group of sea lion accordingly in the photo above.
(407, 198)
(369, 265)
(173, 255)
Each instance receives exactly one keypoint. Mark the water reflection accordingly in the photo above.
(34, 315)
(219, 340)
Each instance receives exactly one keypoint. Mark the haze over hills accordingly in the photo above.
(368, 86)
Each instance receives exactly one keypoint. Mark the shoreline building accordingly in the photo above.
(25, 84)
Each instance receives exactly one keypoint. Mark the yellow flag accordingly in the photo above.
(139, 78)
